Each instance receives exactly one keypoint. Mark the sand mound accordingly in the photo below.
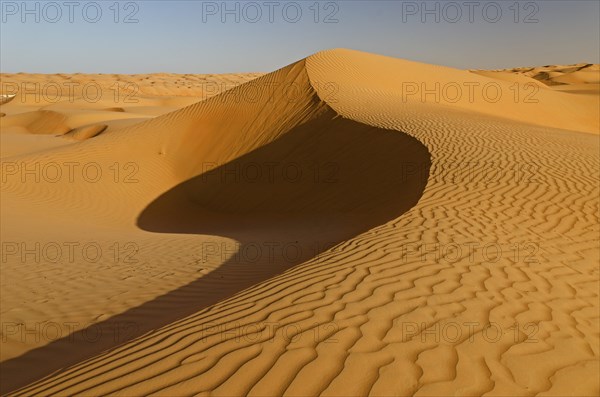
(87, 132)
(6, 98)
(39, 122)
(444, 245)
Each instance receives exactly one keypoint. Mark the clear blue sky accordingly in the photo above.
(191, 37)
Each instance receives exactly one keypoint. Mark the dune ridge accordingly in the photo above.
(365, 314)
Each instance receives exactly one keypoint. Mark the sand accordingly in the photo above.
(351, 224)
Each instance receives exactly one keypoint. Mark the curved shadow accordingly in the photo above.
(321, 183)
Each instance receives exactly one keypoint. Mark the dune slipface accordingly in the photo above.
(327, 228)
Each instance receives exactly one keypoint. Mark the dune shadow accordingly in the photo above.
(286, 202)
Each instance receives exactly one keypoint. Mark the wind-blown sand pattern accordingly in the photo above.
(444, 247)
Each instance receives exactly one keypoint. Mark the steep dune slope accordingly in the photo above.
(464, 236)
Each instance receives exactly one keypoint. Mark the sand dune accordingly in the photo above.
(5, 98)
(57, 104)
(583, 73)
(87, 132)
(583, 78)
(350, 224)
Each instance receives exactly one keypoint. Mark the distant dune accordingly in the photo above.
(351, 224)
(583, 78)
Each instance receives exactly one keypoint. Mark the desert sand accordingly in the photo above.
(348, 225)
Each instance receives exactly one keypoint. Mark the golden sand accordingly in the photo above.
(351, 224)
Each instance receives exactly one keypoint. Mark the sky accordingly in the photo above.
(261, 36)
